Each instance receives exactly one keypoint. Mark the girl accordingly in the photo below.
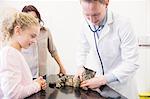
(38, 51)
(20, 31)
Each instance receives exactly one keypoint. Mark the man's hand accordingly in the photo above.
(95, 82)
(79, 74)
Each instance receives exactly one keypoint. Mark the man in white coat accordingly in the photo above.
(109, 47)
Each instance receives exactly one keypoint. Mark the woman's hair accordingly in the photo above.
(30, 8)
(21, 19)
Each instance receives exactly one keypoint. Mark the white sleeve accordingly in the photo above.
(129, 54)
(83, 50)
(11, 80)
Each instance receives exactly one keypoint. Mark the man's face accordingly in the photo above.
(94, 12)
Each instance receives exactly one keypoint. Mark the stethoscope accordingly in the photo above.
(100, 27)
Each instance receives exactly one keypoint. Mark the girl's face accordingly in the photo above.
(28, 36)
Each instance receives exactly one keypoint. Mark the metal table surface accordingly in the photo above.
(74, 93)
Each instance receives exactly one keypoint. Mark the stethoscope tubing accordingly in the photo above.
(95, 32)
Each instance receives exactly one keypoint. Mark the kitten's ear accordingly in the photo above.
(84, 67)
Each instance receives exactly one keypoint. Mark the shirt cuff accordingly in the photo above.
(38, 87)
(110, 77)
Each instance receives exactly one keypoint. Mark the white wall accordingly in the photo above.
(143, 73)
(139, 13)
(63, 18)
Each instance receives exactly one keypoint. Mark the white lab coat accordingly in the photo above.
(118, 49)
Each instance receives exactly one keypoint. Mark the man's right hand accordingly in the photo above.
(79, 73)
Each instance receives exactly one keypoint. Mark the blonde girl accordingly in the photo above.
(19, 31)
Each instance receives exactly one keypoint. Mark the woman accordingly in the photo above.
(36, 55)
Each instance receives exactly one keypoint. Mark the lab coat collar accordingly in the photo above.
(109, 17)
(106, 28)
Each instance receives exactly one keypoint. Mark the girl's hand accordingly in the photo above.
(42, 82)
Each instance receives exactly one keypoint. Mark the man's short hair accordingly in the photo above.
(90, 1)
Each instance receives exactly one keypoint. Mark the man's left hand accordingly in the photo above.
(95, 82)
